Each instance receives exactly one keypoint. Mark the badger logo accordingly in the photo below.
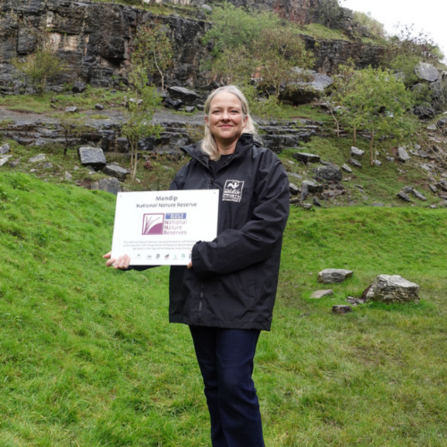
(233, 190)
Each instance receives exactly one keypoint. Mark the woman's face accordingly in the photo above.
(225, 119)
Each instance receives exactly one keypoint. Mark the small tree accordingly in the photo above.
(72, 128)
(343, 84)
(233, 27)
(138, 114)
(328, 12)
(377, 102)
(42, 65)
(234, 65)
(370, 23)
(278, 52)
(153, 50)
(264, 108)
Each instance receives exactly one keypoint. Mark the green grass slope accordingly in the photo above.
(87, 357)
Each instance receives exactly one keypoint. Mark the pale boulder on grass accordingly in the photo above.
(393, 289)
(330, 276)
(321, 294)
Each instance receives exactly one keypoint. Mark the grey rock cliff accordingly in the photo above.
(94, 39)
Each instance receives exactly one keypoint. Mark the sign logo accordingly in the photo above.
(164, 223)
(233, 190)
(153, 223)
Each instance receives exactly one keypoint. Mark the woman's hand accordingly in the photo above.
(122, 262)
(189, 266)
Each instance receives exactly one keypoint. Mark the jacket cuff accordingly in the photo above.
(198, 265)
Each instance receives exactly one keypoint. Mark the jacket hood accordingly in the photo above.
(244, 143)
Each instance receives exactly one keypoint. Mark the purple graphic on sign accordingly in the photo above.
(153, 223)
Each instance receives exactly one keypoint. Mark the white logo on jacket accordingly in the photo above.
(233, 190)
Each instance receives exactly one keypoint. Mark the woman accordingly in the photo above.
(227, 292)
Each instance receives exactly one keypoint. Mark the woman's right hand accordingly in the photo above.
(121, 262)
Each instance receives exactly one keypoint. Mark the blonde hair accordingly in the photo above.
(208, 145)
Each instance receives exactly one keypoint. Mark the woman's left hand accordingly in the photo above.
(122, 262)
(189, 266)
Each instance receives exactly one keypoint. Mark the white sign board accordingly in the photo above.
(161, 227)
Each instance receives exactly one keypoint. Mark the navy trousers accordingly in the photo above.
(225, 358)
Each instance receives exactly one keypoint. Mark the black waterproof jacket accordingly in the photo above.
(233, 281)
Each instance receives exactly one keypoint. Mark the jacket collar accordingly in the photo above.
(244, 143)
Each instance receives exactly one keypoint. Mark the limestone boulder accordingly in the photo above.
(116, 171)
(424, 111)
(331, 276)
(306, 158)
(426, 72)
(79, 87)
(92, 156)
(356, 152)
(402, 154)
(312, 187)
(5, 149)
(294, 189)
(354, 162)
(311, 87)
(329, 172)
(347, 169)
(341, 309)
(111, 185)
(4, 159)
(403, 196)
(187, 96)
(37, 158)
(321, 294)
(393, 289)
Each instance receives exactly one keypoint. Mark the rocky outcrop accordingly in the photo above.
(331, 53)
(93, 39)
(303, 12)
(276, 135)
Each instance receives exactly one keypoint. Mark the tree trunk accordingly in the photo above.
(161, 73)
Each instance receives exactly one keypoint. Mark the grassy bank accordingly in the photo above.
(87, 357)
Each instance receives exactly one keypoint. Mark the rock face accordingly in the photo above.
(94, 39)
(393, 289)
(306, 11)
(330, 276)
(107, 135)
(330, 53)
